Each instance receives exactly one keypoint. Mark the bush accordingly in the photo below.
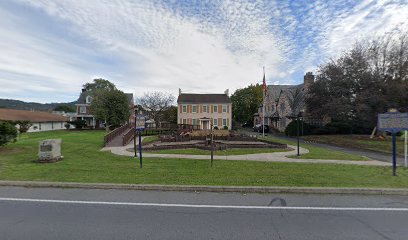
(8, 133)
(67, 126)
(291, 129)
(24, 126)
(338, 128)
(225, 128)
(215, 128)
(78, 123)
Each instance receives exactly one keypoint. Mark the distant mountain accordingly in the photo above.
(21, 105)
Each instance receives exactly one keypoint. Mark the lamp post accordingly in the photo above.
(134, 133)
(212, 142)
(299, 117)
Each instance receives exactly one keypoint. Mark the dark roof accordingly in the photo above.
(23, 115)
(130, 98)
(203, 98)
(83, 95)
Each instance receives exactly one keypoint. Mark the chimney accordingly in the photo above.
(179, 91)
(83, 89)
(226, 92)
(308, 80)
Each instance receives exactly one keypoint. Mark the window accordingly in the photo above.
(215, 122)
(224, 122)
(205, 108)
(215, 108)
(88, 99)
(184, 121)
(224, 108)
(82, 109)
(194, 121)
(282, 107)
(184, 109)
(194, 109)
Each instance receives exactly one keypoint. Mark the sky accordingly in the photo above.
(49, 49)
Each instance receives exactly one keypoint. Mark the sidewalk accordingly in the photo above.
(261, 157)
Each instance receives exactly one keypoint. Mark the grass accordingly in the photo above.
(84, 162)
(318, 152)
(150, 139)
(359, 141)
(232, 151)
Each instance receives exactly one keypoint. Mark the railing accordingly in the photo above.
(128, 136)
(114, 133)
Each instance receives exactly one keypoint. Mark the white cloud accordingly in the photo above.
(144, 46)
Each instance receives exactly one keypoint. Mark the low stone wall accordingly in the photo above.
(217, 146)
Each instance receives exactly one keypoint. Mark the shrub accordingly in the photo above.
(78, 123)
(8, 133)
(24, 126)
(225, 128)
(67, 126)
(291, 129)
(215, 128)
(338, 128)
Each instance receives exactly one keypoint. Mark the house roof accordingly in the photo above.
(203, 98)
(23, 115)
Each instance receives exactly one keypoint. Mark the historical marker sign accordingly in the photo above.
(140, 121)
(393, 121)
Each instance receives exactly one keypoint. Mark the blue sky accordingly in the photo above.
(50, 48)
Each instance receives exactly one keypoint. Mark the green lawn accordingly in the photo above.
(84, 162)
(318, 152)
(359, 141)
(232, 151)
(150, 139)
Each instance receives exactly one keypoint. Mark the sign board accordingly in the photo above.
(140, 121)
(392, 121)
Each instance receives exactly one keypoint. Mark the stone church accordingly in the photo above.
(283, 102)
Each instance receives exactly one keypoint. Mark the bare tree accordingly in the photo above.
(155, 104)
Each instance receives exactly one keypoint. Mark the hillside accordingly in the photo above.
(21, 105)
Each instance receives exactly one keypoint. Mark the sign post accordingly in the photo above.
(405, 148)
(140, 122)
(393, 122)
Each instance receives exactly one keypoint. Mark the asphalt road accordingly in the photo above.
(116, 214)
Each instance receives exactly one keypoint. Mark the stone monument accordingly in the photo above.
(49, 151)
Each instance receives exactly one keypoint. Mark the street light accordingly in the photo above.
(299, 117)
(134, 131)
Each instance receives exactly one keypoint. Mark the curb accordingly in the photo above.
(200, 188)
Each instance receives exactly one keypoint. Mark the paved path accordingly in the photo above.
(362, 152)
(32, 213)
(263, 157)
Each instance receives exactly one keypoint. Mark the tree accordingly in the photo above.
(156, 104)
(111, 106)
(65, 108)
(366, 80)
(99, 84)
(8, 133)
(170, 114)
(23, 126)
(245, 102)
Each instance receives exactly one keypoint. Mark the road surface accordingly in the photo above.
(45, 213)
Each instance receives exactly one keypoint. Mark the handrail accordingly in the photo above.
(114, 133)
